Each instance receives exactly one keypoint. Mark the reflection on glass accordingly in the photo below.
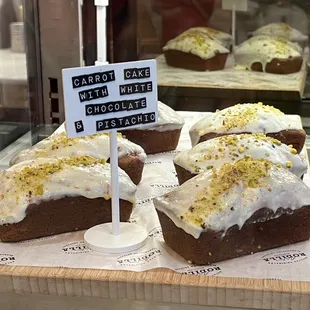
(14, 106)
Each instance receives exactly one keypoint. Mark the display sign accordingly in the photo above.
(237, 5)
(110, 97)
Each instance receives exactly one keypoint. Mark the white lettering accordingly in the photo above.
(104, 77)
(83, 96)
(111, 75)
(123, 89)
(100, 125)
(89, 110)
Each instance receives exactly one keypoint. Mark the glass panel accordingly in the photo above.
(14, 103)
(139, 30)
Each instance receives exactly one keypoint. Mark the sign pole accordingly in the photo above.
(115, 237)
(233, 26)
(234, 6)
(101, 7)
(114, 183)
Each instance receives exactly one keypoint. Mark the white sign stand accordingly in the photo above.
(233, 6)
(115, 237)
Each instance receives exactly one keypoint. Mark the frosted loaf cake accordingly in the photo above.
(269, 54)
(222, 37)
(283, 30)
(195, 50)
(50, 196)
(214, 153)
(131, 156)
(162, 137)
(238, 209)
(250, 118)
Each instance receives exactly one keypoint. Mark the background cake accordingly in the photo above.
(282, 30)
(50, 196)
(194, 50)
(238, 209)
(272, 54)
(215, 152)
(250, 118)
(222, 37)
(162, 137)
(131, 157)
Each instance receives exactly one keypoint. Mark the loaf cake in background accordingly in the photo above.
(269, 54)
(241, 208)
(194, 50)
(222, 37)
(283, 30)
(215, 152)
(131, 157)
(49, 196)
(162, 137)
(250, 118)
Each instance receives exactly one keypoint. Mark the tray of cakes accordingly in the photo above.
(273, 58)
(224, 193)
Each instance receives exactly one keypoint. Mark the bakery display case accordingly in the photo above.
(220, 183)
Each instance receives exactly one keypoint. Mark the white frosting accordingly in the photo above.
(168, 119)
(198, 44)
(71, 181)
(247, 117)
(264, 49)
(283, 30)
(220, 36)
(97, 146)
(214, 153)
(238, 204)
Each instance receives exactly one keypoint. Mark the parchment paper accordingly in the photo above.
(69, 250)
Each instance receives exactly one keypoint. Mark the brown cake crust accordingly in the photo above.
(183, 174)
(280, 66)
(133, 166)
(153, 141)
(293, 137)
(189, 61)
(63, 215)
(253, 237)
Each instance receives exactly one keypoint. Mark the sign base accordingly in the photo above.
(101, 239)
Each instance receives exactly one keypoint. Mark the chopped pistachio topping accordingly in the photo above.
(249, 172)
(31, 179)
(293, 151)
(61, 141)
(231, 144)
(198, 39)
(238, 117)
(289, 164)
